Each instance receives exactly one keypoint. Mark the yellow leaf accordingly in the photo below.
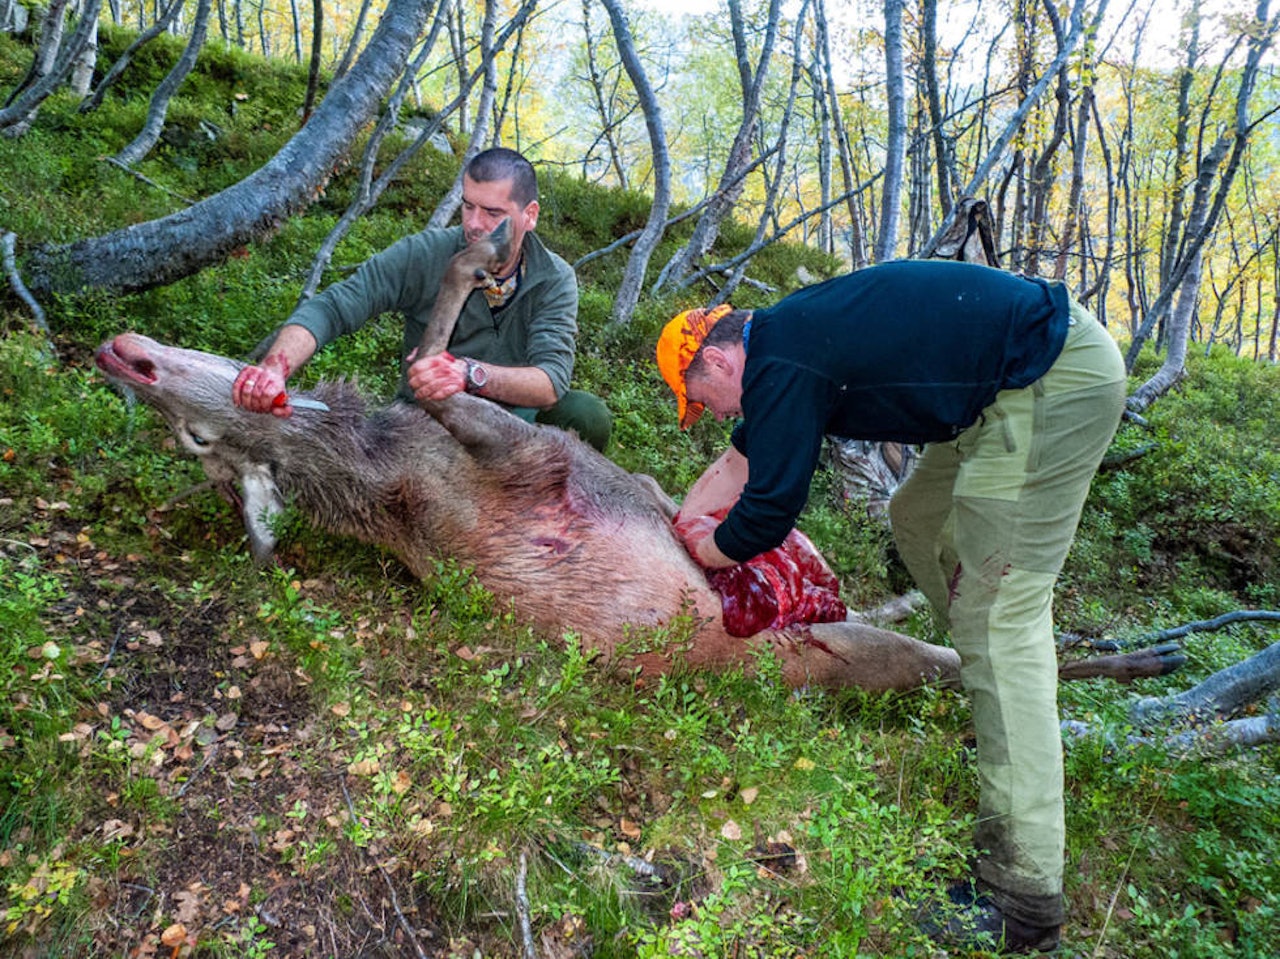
(341, 709)
(804, 765)
(174, 936)
(148, 721)
(259, 649)
(364, 767)
(749, 795)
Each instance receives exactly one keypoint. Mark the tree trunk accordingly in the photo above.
(774, 183)
(53, 21)
(9, 16)
(511, 90)
(848, 169)
(157, 252)
(296, 20)
(82, 69)
(17, 117)
(264, 36)
(1259, 40)
(370, 190)
(117, 68)
(150, 133)
(896, 145)
(1172, 238)
(450, 202)
(357, 34)
(941, 154)
(1016, 121)
(707, 228)
(317, 50)
(604, 103)
(1042, 174)
(1097, 294)
(633, 277)
(826, 237)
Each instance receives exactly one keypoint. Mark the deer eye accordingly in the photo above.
(198, 439)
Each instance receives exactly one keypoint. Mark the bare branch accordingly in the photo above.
(7, 240)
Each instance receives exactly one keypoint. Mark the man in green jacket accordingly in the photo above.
(513, 343)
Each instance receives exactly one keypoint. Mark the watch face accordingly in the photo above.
(477, 376)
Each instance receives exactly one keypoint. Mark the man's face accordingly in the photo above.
(484, 205)
(718, 386)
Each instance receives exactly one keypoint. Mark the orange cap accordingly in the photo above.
(677, 345)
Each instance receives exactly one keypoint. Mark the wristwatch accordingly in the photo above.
(477, 376)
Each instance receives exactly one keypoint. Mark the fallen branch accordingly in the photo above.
(1205, 741)
(209, 755)
(110, 652)
(147, 180)
(678, 218)
(1198, 721)
(1206, 625)
(15, 280)
(1223, 694)
(1116, 460)
(522, 908)
(1222, 738)
(894, 611)
(1137, 419)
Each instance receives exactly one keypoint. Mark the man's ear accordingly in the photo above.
(718, 359)
(530, 214)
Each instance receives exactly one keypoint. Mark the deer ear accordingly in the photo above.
(262, 504)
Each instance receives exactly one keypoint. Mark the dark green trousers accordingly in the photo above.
(583, 413)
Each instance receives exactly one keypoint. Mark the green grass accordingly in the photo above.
(261, 755)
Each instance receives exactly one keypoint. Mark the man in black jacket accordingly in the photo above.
(1016, 391)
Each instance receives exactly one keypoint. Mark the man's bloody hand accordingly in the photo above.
(787, 586)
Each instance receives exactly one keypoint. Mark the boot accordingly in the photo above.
(970, 919)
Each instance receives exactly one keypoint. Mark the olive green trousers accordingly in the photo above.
(983, 524)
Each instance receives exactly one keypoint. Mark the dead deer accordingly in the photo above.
(573, 542)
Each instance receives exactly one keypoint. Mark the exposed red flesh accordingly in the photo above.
(787, 586)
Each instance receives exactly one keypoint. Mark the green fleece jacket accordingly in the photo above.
(536, 327)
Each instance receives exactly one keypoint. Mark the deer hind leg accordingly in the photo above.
(840, 655)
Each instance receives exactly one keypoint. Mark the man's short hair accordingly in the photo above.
(501, 163)
(726, 332)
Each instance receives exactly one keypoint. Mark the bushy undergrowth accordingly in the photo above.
(260, 756)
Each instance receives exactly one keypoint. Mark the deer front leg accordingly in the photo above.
(469, 269)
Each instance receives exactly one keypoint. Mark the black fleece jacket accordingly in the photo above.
(911, 350)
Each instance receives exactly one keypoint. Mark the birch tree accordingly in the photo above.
(752, 79)
(1213, 177)
(633, 277)
(141, 145)
(896, 143)
(50, 67)
(146, 255)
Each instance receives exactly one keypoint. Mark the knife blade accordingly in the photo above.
(299, 403)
